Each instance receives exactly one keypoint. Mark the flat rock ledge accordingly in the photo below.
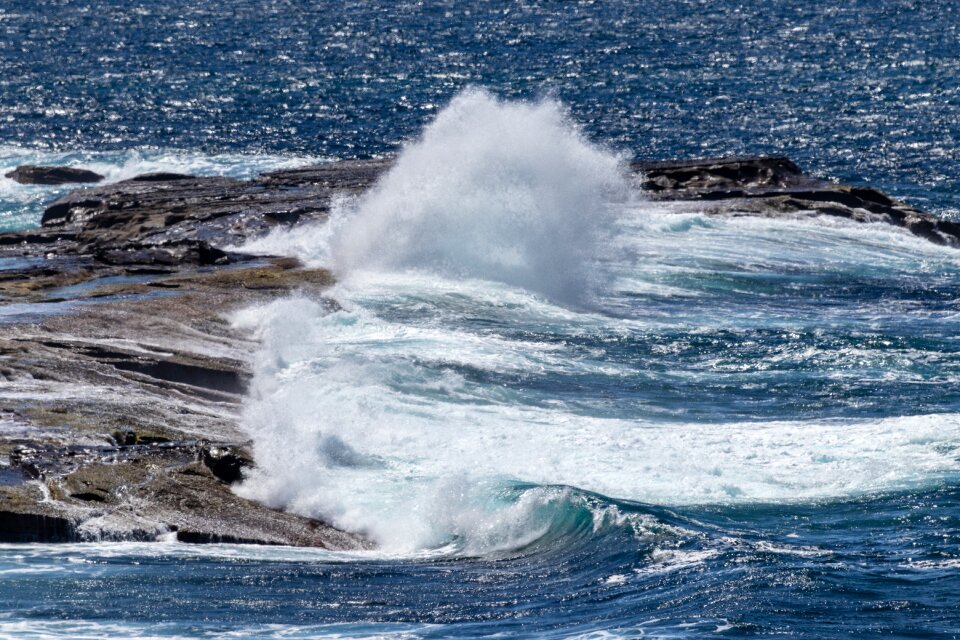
(121, 381)
(32, 174)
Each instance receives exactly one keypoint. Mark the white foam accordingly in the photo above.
(670, 560)
(348, 425)
(34, 629)
(44, 556)
(509, 192)
(390, 417)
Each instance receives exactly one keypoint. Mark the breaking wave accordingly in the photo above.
(463, 397)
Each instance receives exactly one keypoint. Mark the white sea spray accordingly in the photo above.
(466, 267)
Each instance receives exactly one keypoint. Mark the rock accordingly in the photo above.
(169, 219)
(151, 444)
(778, 186)
(721, 173)
(161, 176)
(124, 438)
(31, 174)
(143, 492)
(19, 527)
(130, 438)
(171, 254)
(225, 462)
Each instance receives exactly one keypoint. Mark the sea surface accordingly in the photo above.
(559, 408)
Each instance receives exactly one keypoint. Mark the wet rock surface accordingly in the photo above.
(776, 187)
(145, 491)
(32, 174)
(119, 418)
(121, 380)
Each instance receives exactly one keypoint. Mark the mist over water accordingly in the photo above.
(463, 397)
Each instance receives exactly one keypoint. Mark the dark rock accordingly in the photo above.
(226, 463)
(204, 537)
(161, 176)
(124, 438)
(142, 491)
(19, 527)
(31, 174)
(777, 185)
(131, 438)
(195, 252)
(61, 213)
(226, 381)
(144, 220)
(718, 173)
(217, 379)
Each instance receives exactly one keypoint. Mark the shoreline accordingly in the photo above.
(122, 383)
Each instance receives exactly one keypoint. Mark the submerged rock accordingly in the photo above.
(31, 174)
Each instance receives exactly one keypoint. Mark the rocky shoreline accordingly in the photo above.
(121, 382)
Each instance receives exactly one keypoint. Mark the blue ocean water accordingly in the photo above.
(561, 409)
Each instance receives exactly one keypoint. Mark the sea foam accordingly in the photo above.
(376, 426)
(416, 413)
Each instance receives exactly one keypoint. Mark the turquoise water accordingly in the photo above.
(561, 409)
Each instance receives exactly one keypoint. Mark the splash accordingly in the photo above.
(462, 398)
(387, 428)
(504, 191)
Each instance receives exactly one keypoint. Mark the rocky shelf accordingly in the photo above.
(121, 382)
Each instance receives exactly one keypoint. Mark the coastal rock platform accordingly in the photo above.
(121, 381)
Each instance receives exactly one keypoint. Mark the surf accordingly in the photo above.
(511, 313)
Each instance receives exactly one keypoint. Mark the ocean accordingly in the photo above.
(560, 408)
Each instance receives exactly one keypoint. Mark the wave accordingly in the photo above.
(516, 332)
(376, 426)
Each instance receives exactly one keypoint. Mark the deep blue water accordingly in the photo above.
(866, 91)
(866, 568)
(752, 429)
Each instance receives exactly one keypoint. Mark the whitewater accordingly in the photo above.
(517, 327)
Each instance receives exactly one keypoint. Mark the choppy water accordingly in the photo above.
(561, 409)
(865, 90)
